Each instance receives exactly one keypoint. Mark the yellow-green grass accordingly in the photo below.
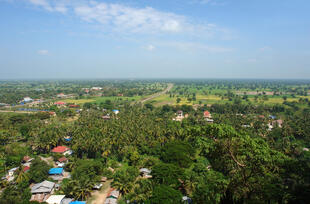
(206, 99)
(212, 99)
(78, 101)
(100, 99)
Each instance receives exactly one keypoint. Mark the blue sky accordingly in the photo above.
(154, 39)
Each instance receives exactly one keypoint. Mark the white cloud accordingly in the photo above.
(131, 19)
(150, 47)
(43, 52)
(52, 6)
(189, 46)
(121, 18)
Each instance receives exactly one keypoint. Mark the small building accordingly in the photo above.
(186, 200)
(60, 103)
(179, 116)
(66, 200)
(272, 117)
(56, 171)
(52, 113)
(146, 173)
(106, 117)
(68, 138)
(41, 191)
(27, 100)
(62, 162)
(115, 111)
(277, 123)
(112, 197)
(26, 168)
(77, 202)
(207, 114)
(74, 106)
(55, 199)
(62, 150)
(61, 95)
(27, 159)
(208, 117)
(10, 175)
(96, 88)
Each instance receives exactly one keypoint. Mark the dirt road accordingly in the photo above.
(157, 94)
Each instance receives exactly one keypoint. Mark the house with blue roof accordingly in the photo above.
(78, 202)
(55, 171)
(115, 111)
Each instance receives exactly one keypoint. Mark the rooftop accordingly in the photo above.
(55, 171)
(60, 149)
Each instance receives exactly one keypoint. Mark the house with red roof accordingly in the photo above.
(60, 103)
(207, 116)
(73, 106)
(26, 168)
(62, 150)
(27, 159)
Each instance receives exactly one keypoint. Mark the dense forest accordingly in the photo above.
(237, 158)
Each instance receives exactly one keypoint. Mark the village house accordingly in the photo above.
(26, 168)
(115, 111)
(27, 100)
(106, 117)
(60, 103)
(179, 116)
(207, 116)
(186, 200)
(62, 162)
(278, 123)
(27, 160)
(145, 173)
(10, 175)
(77, 202)
(112, 197)
(62, 150)
(73, 106)
(41, 191)
(55, 199)
(56, 173)
(96, 88)
(61, 95)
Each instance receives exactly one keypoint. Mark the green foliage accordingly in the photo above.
(165, 194)
(87, 170)
(124, 178)
(167, 174)
(38, 171)
(15, 195)
(178, 153)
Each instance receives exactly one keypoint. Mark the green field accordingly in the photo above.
(99, 100)
(212, 99)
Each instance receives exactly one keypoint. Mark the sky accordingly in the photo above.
(64, 39)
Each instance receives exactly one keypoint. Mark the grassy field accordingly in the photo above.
(99, 100)
(78, 101)
(165, 99)
(212, 99)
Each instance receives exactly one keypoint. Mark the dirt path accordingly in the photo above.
(157, 94)
(49, 161)
(8, 111)
(98, 197)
